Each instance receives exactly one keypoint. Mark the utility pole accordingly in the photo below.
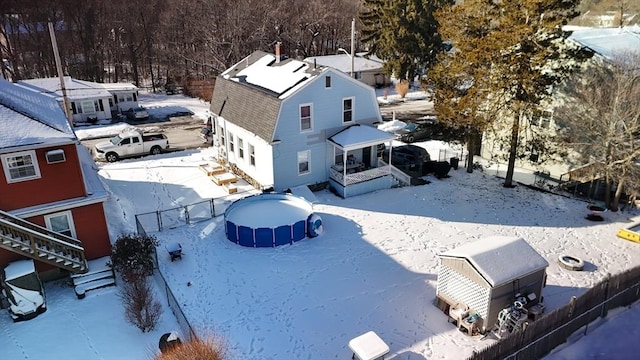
(56, 55)
(353, 44)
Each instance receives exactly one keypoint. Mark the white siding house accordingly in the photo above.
(275, 119)
(89, 101)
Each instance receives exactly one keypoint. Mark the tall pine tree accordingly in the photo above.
(403, 33)
(508, 56)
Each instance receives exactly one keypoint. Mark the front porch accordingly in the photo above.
(357, 168)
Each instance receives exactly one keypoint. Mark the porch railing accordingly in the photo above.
(402, 177)
(359, 177)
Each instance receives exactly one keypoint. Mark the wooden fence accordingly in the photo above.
(540, 337)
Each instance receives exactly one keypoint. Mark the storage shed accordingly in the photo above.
(487, 276)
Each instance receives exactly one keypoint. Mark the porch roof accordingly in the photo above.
(358, 136)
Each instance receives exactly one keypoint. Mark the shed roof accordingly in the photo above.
(500, 259)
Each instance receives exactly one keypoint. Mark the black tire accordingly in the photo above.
(111, 157)
(156, 150)
(410, 138)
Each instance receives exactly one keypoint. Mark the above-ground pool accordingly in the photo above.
(270, 219)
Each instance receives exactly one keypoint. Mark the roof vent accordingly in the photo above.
(55, 156)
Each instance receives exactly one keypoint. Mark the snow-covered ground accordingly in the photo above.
(373, 268)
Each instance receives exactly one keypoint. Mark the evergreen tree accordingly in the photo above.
(403, 33)
(507, 57)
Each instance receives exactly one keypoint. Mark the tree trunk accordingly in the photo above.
(607, 191)
(616, 199)
(515, 129)
(470, 150)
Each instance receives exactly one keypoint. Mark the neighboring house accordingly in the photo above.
(89, 101)
(607, 43)
(368, 69)
(284, 123)
(488, 275)
(124, 96)
(51, 208)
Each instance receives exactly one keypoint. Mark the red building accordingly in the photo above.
(51, 200)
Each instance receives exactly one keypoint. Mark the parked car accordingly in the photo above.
(408, 158)
(416, 132)
(137, 113)
(22, 290)
(132, 143)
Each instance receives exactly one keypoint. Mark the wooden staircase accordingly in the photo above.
(41, 244)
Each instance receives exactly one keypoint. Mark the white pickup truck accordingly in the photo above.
(133, 143)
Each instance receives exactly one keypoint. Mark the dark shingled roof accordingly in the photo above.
(245, 106)
(248, 105)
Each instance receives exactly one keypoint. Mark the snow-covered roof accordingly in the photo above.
(342, 62)
(28, 118)
(76, 89)
(262, 71)
(608, 42)
(19, 268)
(500, 259)
(117, 86)
(360, 135)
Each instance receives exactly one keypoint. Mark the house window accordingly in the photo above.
(327, 82)
(61, 222)
(304, 158)
(541, 119)
(252, 155)
(20, 166)
(230, 142)
(89, 107)
(357, 75)
(305, 118)
(222, 143)
(347, 110)
(129, 97)
(240, 148)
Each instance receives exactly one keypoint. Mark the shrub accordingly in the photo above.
(402, 88)
(140, 308)
(132, 255)
(210, 349)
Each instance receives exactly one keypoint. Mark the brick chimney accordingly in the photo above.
(277, 52)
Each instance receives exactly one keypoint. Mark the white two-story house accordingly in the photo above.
(282, 123)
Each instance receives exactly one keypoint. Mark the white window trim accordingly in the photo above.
(252, 155)
(34, 162)
(353, 106)
(241, 154)
(232, 144)
(310, 129)
(308, 152)
(72, 228)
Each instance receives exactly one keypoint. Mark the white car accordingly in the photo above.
(138, 113)
(22, 288)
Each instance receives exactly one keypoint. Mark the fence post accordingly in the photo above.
(159, 218)
(213, 208)
(572, 305)
(186, 214)
(605, 303)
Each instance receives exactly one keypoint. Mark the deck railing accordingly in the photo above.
(358, 177)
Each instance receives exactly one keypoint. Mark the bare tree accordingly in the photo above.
(601, 121)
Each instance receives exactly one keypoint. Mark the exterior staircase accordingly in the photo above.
(41, 244)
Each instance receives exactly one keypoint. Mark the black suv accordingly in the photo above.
(408, 158)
